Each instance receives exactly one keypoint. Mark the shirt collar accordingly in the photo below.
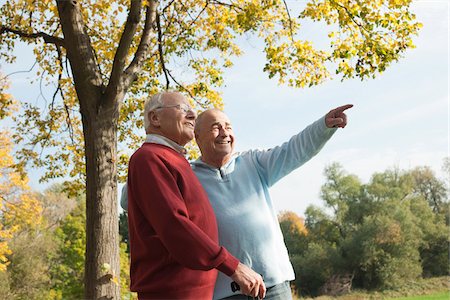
(162, 140)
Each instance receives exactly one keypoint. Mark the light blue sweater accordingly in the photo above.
(239, 194)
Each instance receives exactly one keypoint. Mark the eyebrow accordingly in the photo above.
(218, 123)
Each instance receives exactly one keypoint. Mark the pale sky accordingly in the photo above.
(401, 118)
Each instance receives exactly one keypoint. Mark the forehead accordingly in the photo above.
(216, 116)
(174, 98)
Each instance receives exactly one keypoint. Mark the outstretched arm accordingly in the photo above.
(275, 163)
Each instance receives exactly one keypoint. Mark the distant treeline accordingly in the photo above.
(373, 236)
(376, 235)
(42, 246)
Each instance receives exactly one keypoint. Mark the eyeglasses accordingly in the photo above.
(183, 107)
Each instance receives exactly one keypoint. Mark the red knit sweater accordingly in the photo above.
(172, 226)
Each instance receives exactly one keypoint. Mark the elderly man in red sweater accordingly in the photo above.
(172, 226)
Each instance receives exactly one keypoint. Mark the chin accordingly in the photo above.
(187, 139)
(223, 152)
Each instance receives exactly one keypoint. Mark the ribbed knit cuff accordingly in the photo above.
(323, 124)
(229, 265)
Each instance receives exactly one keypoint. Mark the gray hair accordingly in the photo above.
(152, 103)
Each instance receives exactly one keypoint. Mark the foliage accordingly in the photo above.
(46, 260)
(312, 268)
(123, 230)
(194, 41)
(433, 190)
(126, 294)
(371, 35)
(112, 56)
(125, 258)
(19, 208)
(7, 103)
(294, 230)
(28, 274)
(6, 173)
(434, 246)
(24, 240)
(292, 223)
(67, 269)
(386, 232)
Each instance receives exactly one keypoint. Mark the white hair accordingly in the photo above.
(152, 103)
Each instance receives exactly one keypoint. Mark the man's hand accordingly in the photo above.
(250, 282)
(337, 117)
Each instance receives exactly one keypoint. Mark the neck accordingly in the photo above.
(216, 162)
(158, 132)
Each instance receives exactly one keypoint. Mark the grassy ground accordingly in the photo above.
(438, 296)
(426, 289)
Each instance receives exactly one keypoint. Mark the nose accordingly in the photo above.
(191, 114)
(223, 132)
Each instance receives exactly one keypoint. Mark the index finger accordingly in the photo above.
(342, 108)
(256, 290)
(262, 291)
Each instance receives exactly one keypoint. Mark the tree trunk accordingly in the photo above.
(99, 108)
(102, 266)
(99, 116)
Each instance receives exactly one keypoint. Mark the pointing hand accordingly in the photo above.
(336, 117)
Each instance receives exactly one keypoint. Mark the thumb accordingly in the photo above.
(333, 122)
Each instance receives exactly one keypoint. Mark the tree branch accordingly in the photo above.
(133, 19)
(167, 6)
(98, 64)
(199, 14)
(290, 20)
(66, 108)
(143, 48)
(160, 51)
(87, 78)
(18, 72)
(186, 90)
(352, 17)
(49, 39)
(230, 5)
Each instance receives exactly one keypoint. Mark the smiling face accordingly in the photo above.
(173, 120)
(215, 137)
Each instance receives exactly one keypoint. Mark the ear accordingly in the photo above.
(154, 118)
(196, 132)
(198, 139)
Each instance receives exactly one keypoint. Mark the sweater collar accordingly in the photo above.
(200, 162)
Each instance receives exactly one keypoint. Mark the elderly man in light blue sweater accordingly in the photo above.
(238, 185)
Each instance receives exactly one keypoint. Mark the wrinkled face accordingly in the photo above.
(176, 119)
(214, 136)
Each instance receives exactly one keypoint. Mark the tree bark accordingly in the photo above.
(102, 227)
(99, 117)
(99, 108)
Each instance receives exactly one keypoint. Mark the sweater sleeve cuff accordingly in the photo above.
(229, 265)
(323, 126)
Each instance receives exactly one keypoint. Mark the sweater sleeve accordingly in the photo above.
(275, 163)
(168, 215)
